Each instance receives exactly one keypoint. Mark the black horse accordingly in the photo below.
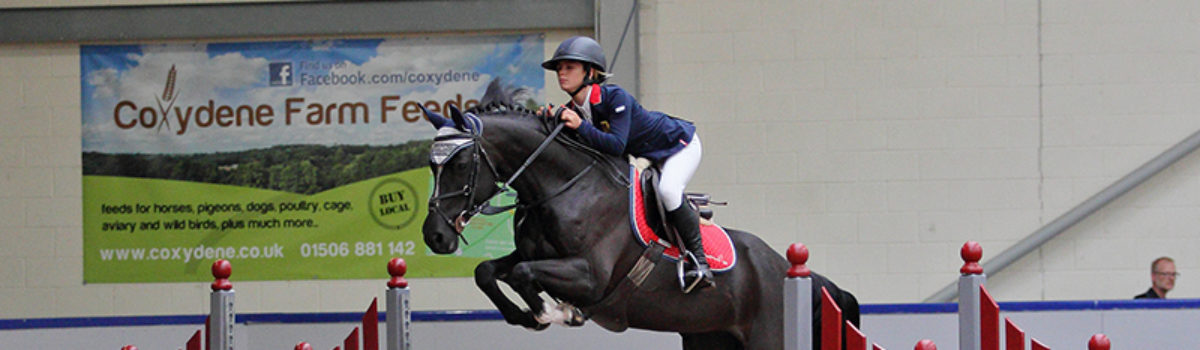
(574, 240)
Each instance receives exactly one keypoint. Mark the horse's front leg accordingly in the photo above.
(571, 279)
(486, 275)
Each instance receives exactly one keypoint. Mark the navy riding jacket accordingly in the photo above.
(621, 126)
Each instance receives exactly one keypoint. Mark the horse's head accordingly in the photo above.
(463, 178)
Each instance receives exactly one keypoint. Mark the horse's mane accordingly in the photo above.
(501, 97)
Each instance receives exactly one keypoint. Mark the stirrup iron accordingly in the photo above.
(681, 272)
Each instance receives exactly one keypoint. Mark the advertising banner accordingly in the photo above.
(292, 159)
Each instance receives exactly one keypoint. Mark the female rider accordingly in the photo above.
(611, 120)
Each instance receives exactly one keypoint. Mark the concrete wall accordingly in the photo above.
(885, 134)
(882, 134)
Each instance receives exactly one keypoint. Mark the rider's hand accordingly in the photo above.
(547, 110)
(572, 118)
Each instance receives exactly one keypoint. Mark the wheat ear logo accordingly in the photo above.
(169, 96)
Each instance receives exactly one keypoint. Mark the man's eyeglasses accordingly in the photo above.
(1166, 274)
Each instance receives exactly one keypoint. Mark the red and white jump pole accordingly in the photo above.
(797, 301)
(399, 317)
(218, 326)
(798, 310)
(925, 344)
(399, 312)
(221, 316)
(988, 311)
(978, 312)
(972, 278)
(1098, 342)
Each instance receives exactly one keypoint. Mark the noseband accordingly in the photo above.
(445, 147)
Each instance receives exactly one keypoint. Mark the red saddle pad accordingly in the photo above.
(717, 244)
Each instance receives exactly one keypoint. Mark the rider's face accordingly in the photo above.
(570, 75)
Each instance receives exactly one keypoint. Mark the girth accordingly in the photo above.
(632, 280)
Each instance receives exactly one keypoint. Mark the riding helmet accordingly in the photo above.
(577, 48)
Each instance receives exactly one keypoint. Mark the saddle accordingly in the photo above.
(650, 224)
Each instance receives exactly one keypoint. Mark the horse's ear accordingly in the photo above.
(468, 123)
(437, 120)
(457, 116)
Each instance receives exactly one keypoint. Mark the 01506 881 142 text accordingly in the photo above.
(342, 249)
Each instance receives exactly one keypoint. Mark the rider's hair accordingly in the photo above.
(600, 75)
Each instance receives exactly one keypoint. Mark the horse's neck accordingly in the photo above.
(578, 216)
(511, 142)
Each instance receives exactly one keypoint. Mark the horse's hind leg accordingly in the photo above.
(486, 275)
(710, 341)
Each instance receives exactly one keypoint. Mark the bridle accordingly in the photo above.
(447, 147)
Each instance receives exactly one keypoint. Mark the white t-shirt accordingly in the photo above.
(585, 110)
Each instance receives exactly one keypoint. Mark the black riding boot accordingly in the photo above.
(687, 223)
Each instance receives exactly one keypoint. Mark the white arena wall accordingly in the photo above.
(881, 134)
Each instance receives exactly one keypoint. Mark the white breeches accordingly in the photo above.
(677, 170)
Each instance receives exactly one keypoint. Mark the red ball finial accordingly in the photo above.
(1099, 341)
(303, 346)
(129, 347)
(971, 253)
(797, 254)
(397, 268)
(925, 344)
(221, 270)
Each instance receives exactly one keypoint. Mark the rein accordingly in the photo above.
(486, 209)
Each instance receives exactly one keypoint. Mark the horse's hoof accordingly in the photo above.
(574, 316)
(576, 321)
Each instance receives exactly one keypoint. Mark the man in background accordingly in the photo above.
(1162, 279)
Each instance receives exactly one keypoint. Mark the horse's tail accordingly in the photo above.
(850, 308)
